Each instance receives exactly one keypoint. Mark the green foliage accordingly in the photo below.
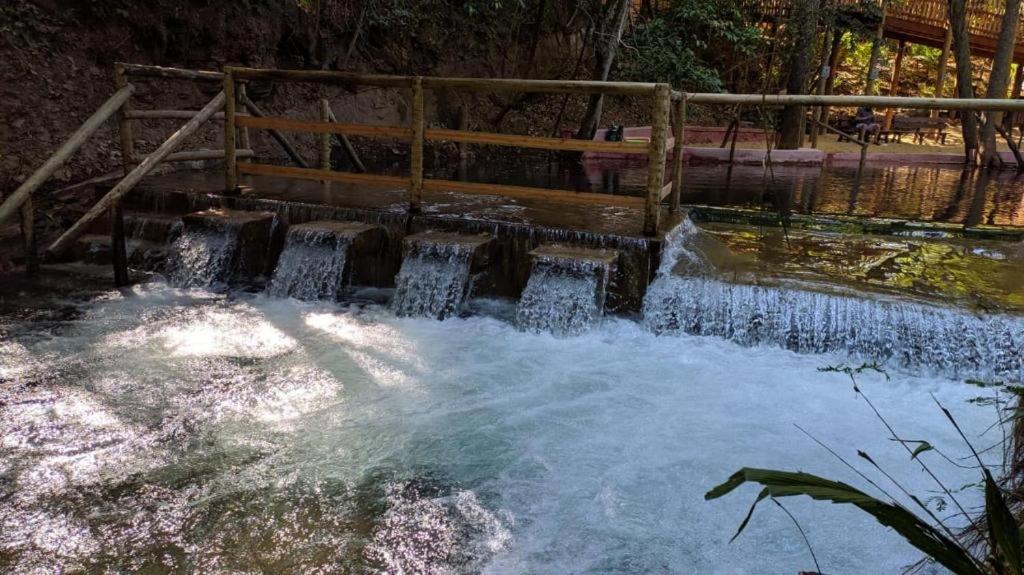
(689, 44)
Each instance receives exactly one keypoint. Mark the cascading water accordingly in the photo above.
(202, 257)
(687, 297)
(312, 265)
(435, 279)
(565, 295)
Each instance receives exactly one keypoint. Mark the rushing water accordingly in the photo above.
(312, 265)
(165, 430)
(434, 280)
(203, 256)
(564, 295)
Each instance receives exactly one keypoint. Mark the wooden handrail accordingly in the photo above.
(776, 100)
(254, 169)
(273, 123)
(65, 241)
(568, 144)
(73, 143)
(172, 73)
(524, 192)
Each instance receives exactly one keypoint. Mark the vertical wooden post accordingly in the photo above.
(679, 131)
(894, 81)
(28, 235)
(940, 82)
(416, 157)
(656, 157)
(244, 141)
(325, 138)
(230, 162)
(118, 250)
(124, 125)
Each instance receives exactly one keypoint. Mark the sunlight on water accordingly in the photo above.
(172, 430)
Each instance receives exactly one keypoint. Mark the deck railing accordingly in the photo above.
(417, 133)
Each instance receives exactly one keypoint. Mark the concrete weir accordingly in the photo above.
(221, 246)
(321, 258)
(439, 272)
(567, 288)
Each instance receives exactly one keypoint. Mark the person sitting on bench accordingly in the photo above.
(865, 123)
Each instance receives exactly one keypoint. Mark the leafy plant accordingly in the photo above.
(1000, 552)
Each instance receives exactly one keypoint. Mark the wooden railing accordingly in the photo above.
(417, 133)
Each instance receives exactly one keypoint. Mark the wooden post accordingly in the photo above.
(940, 82)
(416, 155)
(118, 250)
(656, 157)
(245, 142)
(20, 195)
(679, 132)
(230, 161)
(124, 125)
(28, 235)
(894, 81)
(350, 150)
(124, 186)
(277, 135)
(325, 138)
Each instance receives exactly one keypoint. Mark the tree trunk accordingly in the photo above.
(962, 55)
(835, 56)
(999, 82)
(803, 22)
(876, 50)
(607, 36)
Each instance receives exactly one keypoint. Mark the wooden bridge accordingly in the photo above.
(924, 22)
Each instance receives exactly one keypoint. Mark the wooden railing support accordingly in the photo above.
(350, 150)
(18, 197)
(325, 138)
(679, 132)
(28, 236)
(416, 155)
(289, 149)
(230, 161)
(124, 125)
(656, 157)
(64, 242)
(243, 134)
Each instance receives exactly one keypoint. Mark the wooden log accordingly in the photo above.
(325, 138)
(197, 155)
(124, 125)
(118, 249)
(416, 154)
(679, 131)
(350, 150)
(65, 241)
(320, 77)
(230, 161)
(87, 129)
(567, 144)
(283, 141)
(28, 236)
(776, 100)
(260, 121)
(396, 182)
(540, 86)
(172, 73)
(243, 137)
(527, 193)
(173, 114)
(656, 158)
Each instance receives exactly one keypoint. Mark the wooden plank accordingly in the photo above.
(230, 160)
(274, 123)
(124, 126)
(320, 77)
(64, 242)
(535, 142)
(254, 169)
(416, 155)
(173, 73)
(101, 115)
(656, 158)
(526, 193)
(541, 86)
(281, 139)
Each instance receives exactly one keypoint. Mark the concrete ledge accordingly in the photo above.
(751, 156)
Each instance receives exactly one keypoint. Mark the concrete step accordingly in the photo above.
(367, 242)
(481, 247)
(251, 234)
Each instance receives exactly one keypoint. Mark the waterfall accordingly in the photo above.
(312, 265)
(687, 297)
(434, 280)
(202, 257)
(565, 293)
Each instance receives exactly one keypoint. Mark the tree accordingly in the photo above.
(803, 22)
(607, 35)
(999, 80)
(962, 55)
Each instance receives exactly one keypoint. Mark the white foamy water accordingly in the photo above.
(434, 280)
(312, 265)
(563, 296)
(187, 431)
(202, 257)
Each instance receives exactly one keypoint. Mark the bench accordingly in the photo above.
(918, 127)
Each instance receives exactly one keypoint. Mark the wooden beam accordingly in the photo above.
(65, 241)
(679, 132)
(526, 193)
(416, 155)
(281, 139)
(230, 161)
(656, 157)
(396, 182)
(350, 150)
(87, 129)
(172, 73)
(259, 121)
(568, 144)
